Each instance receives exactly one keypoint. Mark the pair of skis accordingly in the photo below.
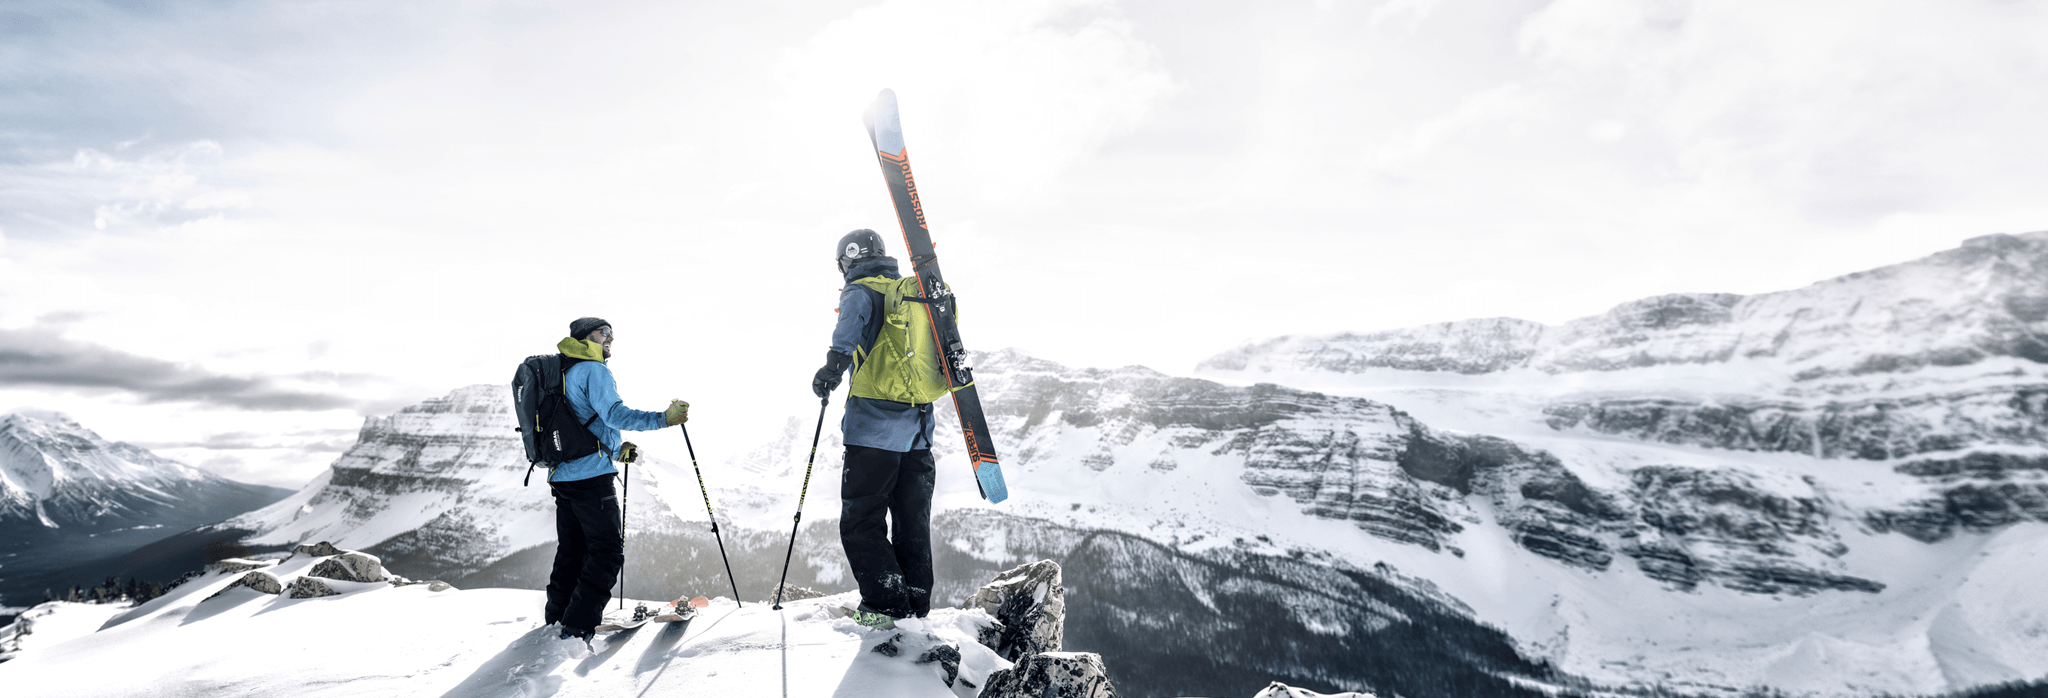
(675, 611)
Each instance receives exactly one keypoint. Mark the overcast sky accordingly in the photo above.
(229, 230)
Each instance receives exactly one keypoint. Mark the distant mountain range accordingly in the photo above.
(70, 499)
(1840, 490)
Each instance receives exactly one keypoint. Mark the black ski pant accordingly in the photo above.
(589, 550)
(892, 558)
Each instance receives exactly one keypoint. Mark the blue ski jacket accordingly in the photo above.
(592, 391)
(883, 424)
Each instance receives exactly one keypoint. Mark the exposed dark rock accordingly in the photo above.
(1873, 429)
(889, 647)
(1794, 580)
(351, 567)
(320, 549)
(1972, 506)
(1030, 603)
(1567, 546)
(258, 580)
(1667, 564)
(309, 587)
(1064, 674)
(1983, 465)
(791, 592)
(947, 657)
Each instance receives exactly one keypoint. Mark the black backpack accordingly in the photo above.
(546, 420)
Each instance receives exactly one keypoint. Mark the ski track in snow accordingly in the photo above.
(482, 643)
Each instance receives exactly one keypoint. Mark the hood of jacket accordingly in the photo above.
(581, 349)
(878, 266)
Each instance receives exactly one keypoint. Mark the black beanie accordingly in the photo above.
(583, 326)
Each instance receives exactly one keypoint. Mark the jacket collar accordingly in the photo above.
(581, 349)
(880, 266)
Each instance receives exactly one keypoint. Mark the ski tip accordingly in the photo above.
(885, 126)
(990, 475)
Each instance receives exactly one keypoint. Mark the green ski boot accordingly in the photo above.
(873, 618)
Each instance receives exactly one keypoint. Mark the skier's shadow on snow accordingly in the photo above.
(524, 667)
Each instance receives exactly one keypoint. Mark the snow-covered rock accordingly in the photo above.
(311, 587)
(256, 580)
(351, 567)
(1076, 674)
(320, 549)
(236, 564)
(1281, 690)
(1030, 603)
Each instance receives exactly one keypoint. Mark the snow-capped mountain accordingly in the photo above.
(1837, 487)
(64, 489)
(437, 487)
(1484, 508)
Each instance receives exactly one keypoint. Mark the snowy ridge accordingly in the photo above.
(1982, 300)
(207, 639)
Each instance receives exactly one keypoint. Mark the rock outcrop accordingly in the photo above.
(1384, 471)
(258, 580)
(351, 567)
(1029, 605)
(1066, 674)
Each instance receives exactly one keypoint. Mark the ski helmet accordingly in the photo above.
(857, 246)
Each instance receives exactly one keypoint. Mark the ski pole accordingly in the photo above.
(713, 515)
(624, 493)
(822, 403)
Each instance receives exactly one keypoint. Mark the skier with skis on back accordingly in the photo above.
(589, 529)
(886, 488)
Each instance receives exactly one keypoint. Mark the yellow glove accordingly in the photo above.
(678, 412)
(628, 452)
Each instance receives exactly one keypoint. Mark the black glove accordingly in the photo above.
(827, 379)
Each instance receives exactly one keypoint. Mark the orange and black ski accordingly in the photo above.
(885, 131)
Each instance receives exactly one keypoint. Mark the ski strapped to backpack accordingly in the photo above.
(885, 132)
(547, 422)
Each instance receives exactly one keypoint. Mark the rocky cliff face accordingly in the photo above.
(1760, 444)
(1390, 475)
(434, 488)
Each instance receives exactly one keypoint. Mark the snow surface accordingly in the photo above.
(53, 623)
(410, 641)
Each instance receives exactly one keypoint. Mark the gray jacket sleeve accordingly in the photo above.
(855, 308)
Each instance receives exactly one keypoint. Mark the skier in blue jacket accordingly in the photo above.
(590, 533)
